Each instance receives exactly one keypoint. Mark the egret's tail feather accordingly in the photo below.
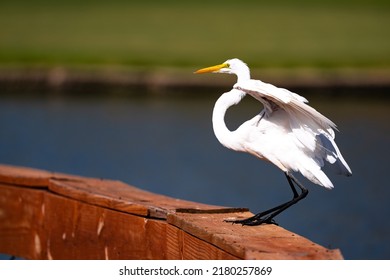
(331, 153)
(317, 176)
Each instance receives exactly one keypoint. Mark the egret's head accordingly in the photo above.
(231, 66)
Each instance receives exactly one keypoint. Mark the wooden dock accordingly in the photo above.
(45, 215)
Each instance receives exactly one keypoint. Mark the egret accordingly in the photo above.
(287, 132)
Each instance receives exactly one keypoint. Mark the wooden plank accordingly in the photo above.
(106, 193)
(24, 176)
(76, 230)
(20, 218)
(184, 246)
(122, 197)
(46, 215)
(37, 224)
(262, 242)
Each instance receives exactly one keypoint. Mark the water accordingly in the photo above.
(166, 145)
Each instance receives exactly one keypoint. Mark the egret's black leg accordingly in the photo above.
(267, 217)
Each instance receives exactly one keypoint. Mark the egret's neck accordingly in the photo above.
(223, 134)
(243, 75)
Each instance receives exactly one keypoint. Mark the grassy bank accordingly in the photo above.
(173, 33)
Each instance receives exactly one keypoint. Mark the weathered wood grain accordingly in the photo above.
(36, 224)
(261, 242)
(45, 215)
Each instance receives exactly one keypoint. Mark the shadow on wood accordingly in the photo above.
(46, 215)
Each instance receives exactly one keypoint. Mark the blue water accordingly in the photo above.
(166, 145)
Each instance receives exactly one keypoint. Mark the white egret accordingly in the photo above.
(287, 132)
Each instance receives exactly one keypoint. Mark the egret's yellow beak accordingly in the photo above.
(212, 68)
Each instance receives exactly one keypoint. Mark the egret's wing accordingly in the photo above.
(265, 90)
(313, 130)
(291, 102)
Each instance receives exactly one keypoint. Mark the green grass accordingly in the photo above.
(176, 33)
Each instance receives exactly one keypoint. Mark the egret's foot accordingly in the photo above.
(253, 221)
(267, 217)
